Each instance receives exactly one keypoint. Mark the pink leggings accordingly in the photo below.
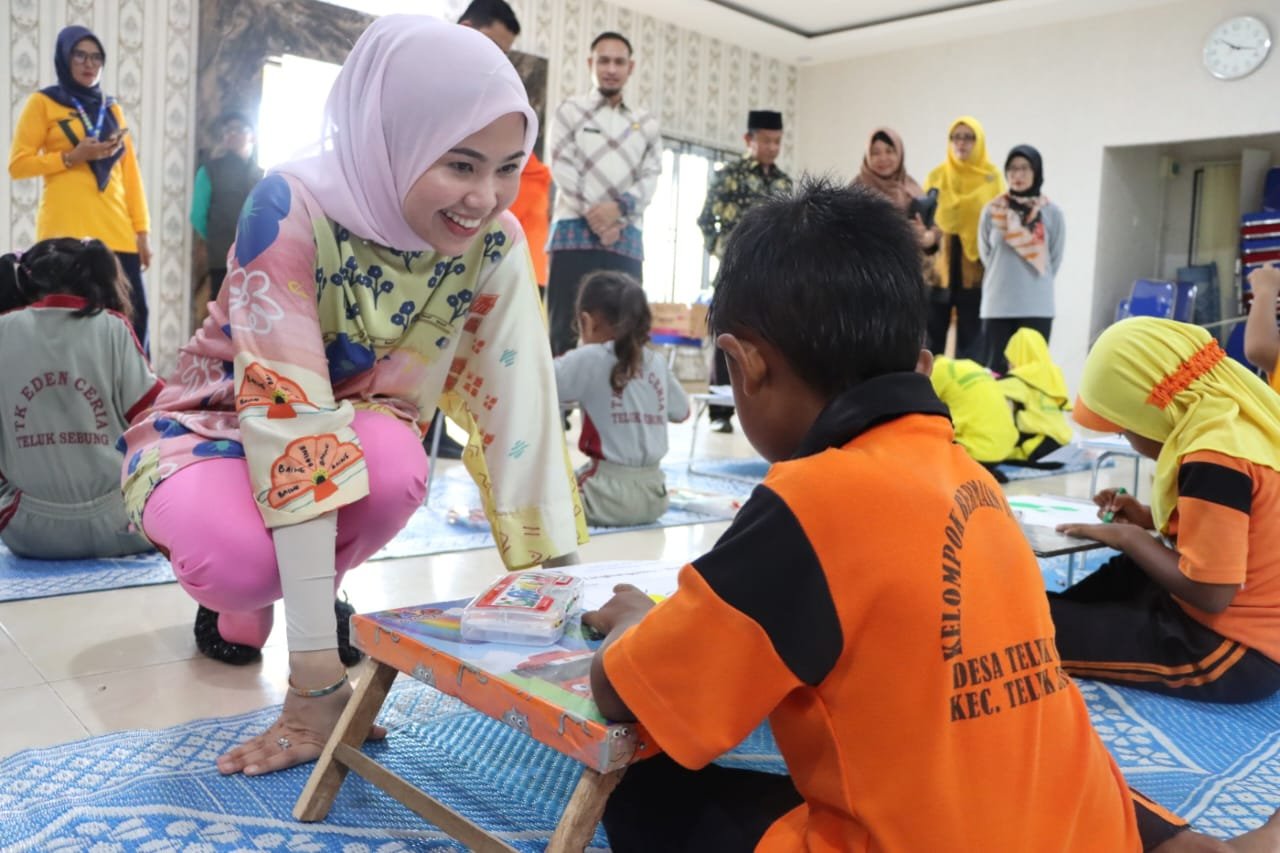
(222, 553)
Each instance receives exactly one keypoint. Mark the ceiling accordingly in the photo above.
(822, 17)
(814, 31)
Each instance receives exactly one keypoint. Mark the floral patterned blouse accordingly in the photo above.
(314, 322)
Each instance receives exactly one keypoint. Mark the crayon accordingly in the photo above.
(1109, 515)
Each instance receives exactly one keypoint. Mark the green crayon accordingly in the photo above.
(1109, 515)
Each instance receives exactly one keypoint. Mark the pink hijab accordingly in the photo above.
(411, 89)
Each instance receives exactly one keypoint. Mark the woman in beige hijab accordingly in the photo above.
(884, 170)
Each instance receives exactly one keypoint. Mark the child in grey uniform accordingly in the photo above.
(627, 396)
(74, 375)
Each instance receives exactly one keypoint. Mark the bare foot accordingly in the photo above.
(298, 736)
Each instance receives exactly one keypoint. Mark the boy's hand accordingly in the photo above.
(628, 606)
(1124, 509)
(1265, 281)
(1116, 536)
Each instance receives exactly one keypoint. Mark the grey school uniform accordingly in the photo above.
(69, 387)
(1011, 287)
(625, 433)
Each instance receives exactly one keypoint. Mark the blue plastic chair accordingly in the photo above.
(1184, 302)
(1151, 299)
(1271, 189)
(1235, 347)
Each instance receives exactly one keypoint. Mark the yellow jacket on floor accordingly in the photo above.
(1039, 393)
(982, 418)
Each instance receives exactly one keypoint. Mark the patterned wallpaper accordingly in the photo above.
(700, 88)
(151, 50)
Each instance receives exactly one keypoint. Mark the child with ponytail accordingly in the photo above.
(627, 396)
(74, 377)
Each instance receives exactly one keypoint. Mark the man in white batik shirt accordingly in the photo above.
(606, 157)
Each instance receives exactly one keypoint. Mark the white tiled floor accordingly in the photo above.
(102, 662)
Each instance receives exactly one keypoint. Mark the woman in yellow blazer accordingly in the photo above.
(74, 137)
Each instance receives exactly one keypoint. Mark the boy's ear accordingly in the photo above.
(924, 364)
(746, 361)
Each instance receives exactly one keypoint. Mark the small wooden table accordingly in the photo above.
(545, 694)
(1040, 514)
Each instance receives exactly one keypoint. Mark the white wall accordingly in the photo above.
(1070, 89)
(1126, 249)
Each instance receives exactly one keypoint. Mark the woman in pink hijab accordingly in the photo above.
(368, 284)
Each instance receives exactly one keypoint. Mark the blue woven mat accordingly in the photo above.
(1218, 766)
(428, 532)
(22, 578)
(160, 791)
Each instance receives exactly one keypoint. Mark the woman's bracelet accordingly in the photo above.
(318, 692)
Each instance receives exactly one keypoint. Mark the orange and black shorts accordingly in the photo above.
(1119, 626)
(1156, 824)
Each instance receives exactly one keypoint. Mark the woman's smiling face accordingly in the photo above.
(459, 195)
(883, 159)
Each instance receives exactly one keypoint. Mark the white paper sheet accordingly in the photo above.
(1052, 510)
(1110, 443)
(656, 577)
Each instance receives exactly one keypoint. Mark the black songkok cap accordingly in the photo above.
(763, 120)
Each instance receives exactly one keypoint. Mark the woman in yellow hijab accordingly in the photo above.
(965, 182)
(1035, 388)
(1200, 617)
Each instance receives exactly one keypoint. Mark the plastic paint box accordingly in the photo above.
(525, 608)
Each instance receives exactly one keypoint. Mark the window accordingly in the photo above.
(676, 267)
(291, 114)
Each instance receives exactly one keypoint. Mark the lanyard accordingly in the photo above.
(96, 128)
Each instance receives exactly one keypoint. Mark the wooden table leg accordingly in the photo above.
(584, 810)
(353, 726)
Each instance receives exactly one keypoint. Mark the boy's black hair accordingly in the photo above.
(620, 301)
(610, 34)
(482, 13)
(832, 277)
(64, 265)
